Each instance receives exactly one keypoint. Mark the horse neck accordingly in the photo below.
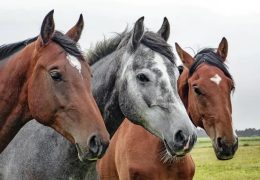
(14, 111)
(183, 87)
(105, 90)
(183, 90)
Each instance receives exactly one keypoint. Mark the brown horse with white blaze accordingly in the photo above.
(202, 86)
(46, 78)
(205, 87)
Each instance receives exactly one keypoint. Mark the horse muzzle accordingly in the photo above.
(95, 150)
(181, 145)
(225, 151)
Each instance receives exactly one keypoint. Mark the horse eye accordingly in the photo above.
(197, 90)
(142, 77)
(56, 75)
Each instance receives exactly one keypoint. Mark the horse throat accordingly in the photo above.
(105, 92)
(183, 88)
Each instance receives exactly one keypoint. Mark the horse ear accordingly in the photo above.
(223, 49)
(186, 59)
(138, 32)
(164, 31)
(75, 32)
(47, 28)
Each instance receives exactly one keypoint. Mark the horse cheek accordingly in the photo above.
(40, 99)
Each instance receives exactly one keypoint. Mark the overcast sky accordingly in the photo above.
(194, 23)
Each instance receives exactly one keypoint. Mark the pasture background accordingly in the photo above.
(245, 164)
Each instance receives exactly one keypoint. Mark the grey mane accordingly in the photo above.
(105, 47)
(150, 39)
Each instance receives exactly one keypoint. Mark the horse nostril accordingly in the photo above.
(219, 142)
(97, 146)
(94, 143)
(180, 139)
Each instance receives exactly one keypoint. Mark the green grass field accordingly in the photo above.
(245, 164)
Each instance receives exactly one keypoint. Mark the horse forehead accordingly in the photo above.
(74, 62)
(212, 73)
(167, 68)
(216, 79)
(167, 73)
(144, 58)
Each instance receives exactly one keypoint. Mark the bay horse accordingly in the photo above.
(46, 78)
(205, 87)
(134, 77)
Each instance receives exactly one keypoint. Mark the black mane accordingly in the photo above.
(155, 42)
(68, 45)
(7, 50)
(65, 42)
(208, 56)
(149, 39)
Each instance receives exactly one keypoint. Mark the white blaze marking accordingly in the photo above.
(74, 62)
(216, 79)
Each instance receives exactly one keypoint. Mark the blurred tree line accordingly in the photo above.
(248, 132)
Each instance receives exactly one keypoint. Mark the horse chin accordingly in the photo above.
(171, 152)
(221, 154)
(180, 151)
(223, 157)
(85, 156)
(168, 157)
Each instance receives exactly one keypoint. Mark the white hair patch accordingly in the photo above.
(160, 65)
(74, 62)
(216, 79)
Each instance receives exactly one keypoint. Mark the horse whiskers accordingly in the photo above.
(166, 158)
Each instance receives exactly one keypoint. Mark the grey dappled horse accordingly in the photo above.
(134, 77)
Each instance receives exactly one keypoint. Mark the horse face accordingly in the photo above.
(59, 95)
(209, 97)
(149, 97)
(148, 89)
(208, 100)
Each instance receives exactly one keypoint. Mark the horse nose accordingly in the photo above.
(183, 143)
(226, 150)
(97, 146)
(180, 139)
(221, 144)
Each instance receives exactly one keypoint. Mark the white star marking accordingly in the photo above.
(216, 79)
(74, 62)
